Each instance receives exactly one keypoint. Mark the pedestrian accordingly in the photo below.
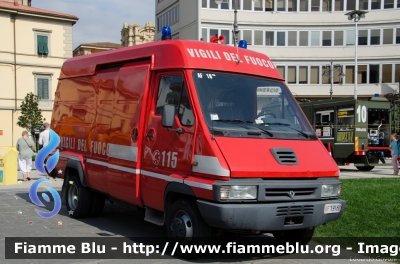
(26, 149)
(394, 148)
(44, 136)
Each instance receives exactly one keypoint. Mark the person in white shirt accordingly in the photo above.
(44, 136)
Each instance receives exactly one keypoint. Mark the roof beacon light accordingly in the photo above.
(166, 33)
(376, 95)
(242, 44)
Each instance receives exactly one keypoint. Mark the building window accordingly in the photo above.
(339, 5)
(362, 37)
(362, 74)
(269, 38)
(304, 5)
(281, 5)
(303, 38)
(225, 33)
(43, 87)
(327, 5)
(398, 33)
(281, 70)
(258, 37)
(326, 38)
(315, 38)
(291, 74)
(351, 5)
(213, 33)
(204, 3)
(280, 39)
(269, 5)
(350, 37)
(212, 4)
(247, 4)
(373, 73)
(338, 35)
(349, 74)
(303, 75)
(247, 35)
(397, 73)
(375, 37)
(314, 75)
(363, 4)
(386, 73)
(42, 45)
(388, 36)
(375, 4)
(388, 4)
(292, 5)
(325, 78)
(225, 5)
(292, 38)
(258, 6)
(315, 5)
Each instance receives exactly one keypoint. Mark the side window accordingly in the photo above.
(42, 45)
(172, 90)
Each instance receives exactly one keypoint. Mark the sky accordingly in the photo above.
(101, 20)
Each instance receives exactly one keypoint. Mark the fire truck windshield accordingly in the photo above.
(240, 105)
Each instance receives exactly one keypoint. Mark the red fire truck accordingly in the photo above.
(176, 127)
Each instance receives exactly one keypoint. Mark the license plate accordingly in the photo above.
(332, 208)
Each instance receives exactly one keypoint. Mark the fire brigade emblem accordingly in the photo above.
(156, 157)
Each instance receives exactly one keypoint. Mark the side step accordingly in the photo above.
(154, 216)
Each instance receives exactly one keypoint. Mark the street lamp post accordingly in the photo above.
(328, 73)
(235, 24)
(356, 15)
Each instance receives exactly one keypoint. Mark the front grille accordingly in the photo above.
(274, 192)
(284, 156)
(295, 210)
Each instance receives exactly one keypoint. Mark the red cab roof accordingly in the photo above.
(177, 54)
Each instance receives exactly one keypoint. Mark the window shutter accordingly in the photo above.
(45, 45)
(45, 89)
(40, 88)
(40, 45)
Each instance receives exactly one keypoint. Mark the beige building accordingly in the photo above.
(302, 37)
(90, 48)
(34, 44)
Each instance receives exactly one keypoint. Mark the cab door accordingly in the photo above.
(167, 154)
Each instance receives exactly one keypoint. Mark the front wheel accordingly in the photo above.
(184, 221)
(302, 236)
(365, 168)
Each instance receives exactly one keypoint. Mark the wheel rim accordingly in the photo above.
(73, 196)
(182, 225)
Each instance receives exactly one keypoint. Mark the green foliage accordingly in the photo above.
(31, 116)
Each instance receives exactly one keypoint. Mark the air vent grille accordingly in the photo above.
(284, 156)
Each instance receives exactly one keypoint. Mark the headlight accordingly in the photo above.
(330, 190)
(237, 192)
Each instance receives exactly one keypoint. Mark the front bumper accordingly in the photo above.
(267, 217)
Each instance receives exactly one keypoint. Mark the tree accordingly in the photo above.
(31, 116)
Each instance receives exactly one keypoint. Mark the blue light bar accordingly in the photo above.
(166, 33)
(376, 95)
(242, 44)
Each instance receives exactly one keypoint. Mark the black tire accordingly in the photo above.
(184, 222)
(96, 204)
(365, 168)
(302, 236)
(78, 198)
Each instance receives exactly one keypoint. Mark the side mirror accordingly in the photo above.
(168, 116)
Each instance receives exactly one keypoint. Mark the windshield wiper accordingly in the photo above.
(248, 123)
(289, 126)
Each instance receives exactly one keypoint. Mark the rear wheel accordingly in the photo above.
(365, 168)
(302, 236)
(78, 198)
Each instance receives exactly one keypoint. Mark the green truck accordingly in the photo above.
(356, 131)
